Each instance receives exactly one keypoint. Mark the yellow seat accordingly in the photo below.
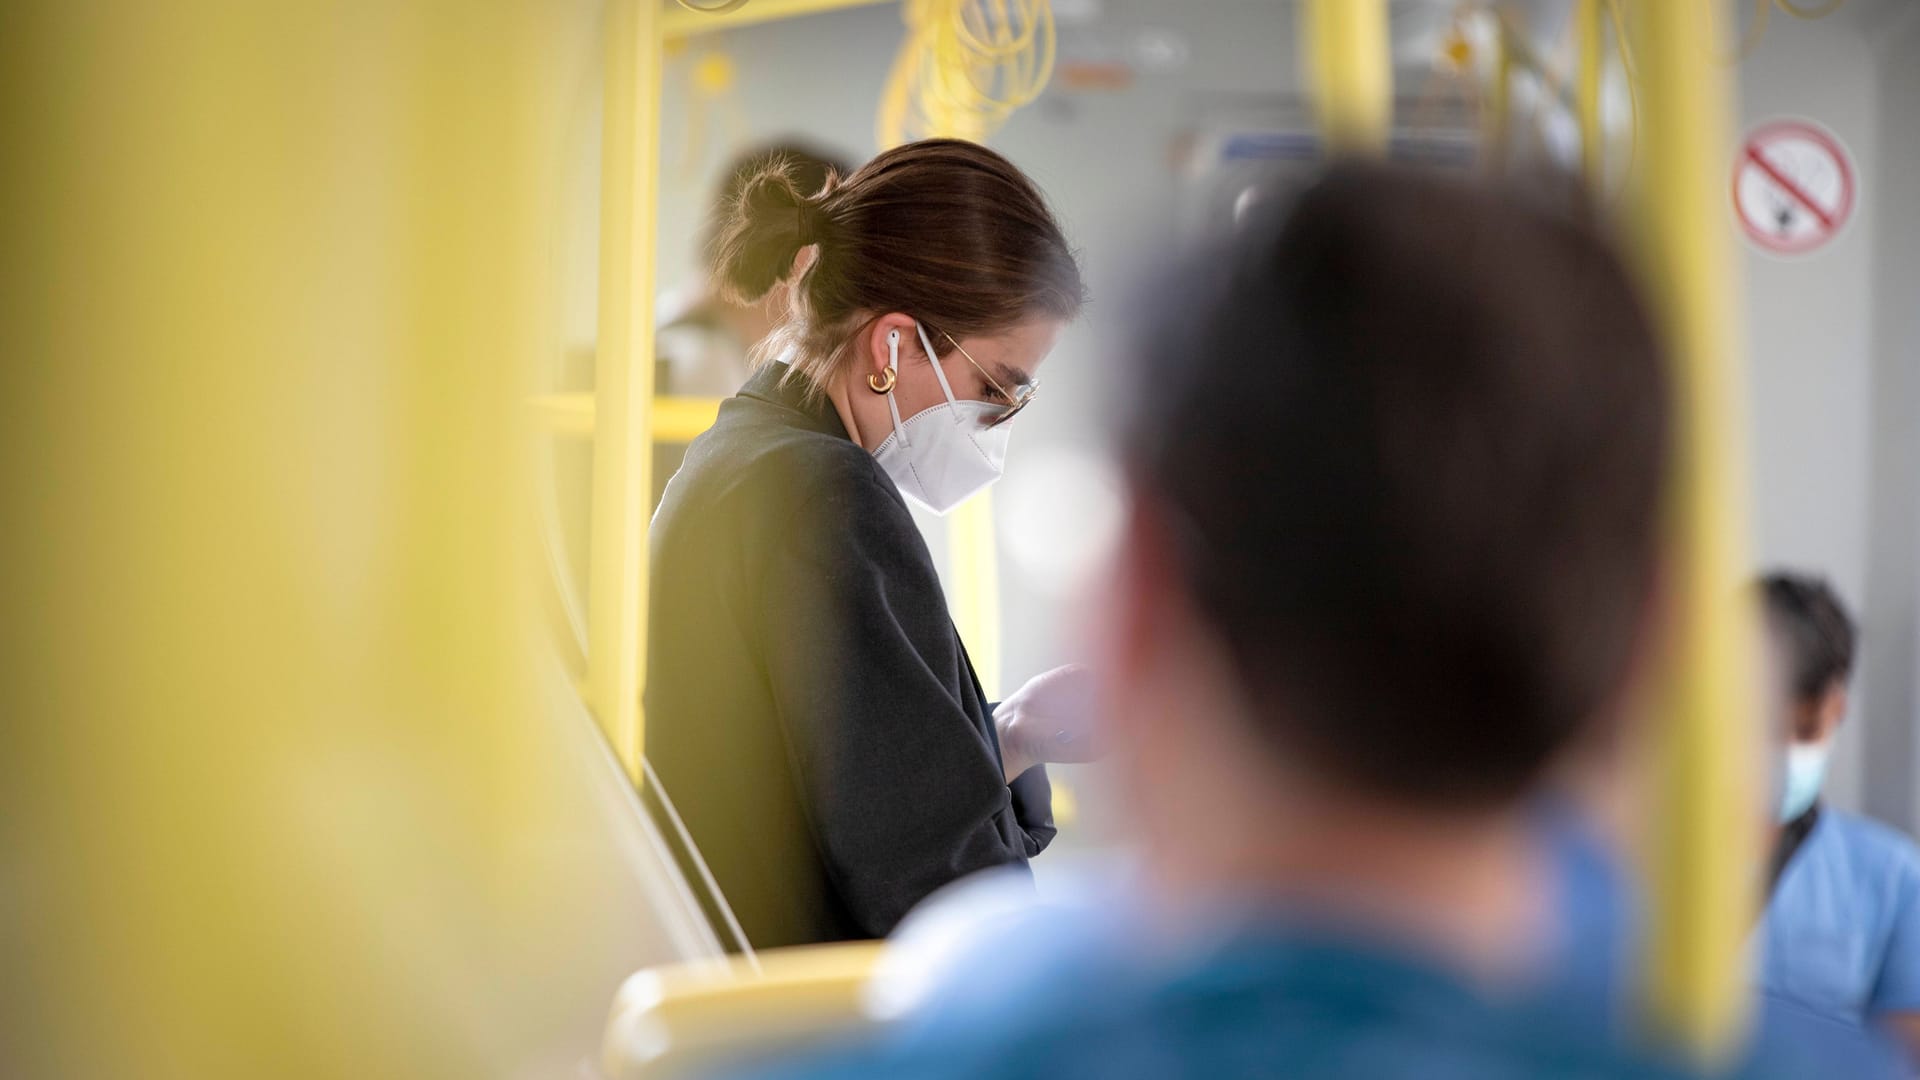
(671, 1021)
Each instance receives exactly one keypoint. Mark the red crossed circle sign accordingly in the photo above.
(1792, 186)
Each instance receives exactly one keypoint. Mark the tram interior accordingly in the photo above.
(310, 767)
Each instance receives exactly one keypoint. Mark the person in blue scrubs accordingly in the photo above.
(1395, 465)
(1841, 934)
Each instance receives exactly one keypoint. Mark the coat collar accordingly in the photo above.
(776, 384)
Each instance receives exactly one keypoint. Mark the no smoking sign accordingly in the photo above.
(1792, 187)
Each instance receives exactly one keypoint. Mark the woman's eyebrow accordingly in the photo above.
(1012, 376)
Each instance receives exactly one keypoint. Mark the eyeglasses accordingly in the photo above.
(1019, 397)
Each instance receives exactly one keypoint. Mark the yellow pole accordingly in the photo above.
(976, 587)
(1704, 839)
(1590, 32)
(1351, 68)
(1500, 100)
(281, 784)
(623, 376)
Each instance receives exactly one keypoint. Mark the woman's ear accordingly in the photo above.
(880, 352)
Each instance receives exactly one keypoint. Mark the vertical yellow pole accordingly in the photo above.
(1590, 33)
(264, 585)
(1500, 99)
(976, 588)
(1705, 832)
(623, 376)
(1351, 68)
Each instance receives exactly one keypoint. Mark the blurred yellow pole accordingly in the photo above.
(1350, 64)
(623, 377)
(976, 587)
(1499, 118)
(278, 779)
(1590, 34)
(1705, 831)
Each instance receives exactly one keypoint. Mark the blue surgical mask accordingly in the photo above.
(1800, 786)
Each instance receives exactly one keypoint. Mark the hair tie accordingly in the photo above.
(803, 222)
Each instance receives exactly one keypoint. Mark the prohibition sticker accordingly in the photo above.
(1792, 187)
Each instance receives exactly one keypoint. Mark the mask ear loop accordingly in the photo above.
(959, 414)
(893, 406)
(933, 359)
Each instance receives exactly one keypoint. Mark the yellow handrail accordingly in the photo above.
(678, 22)
(675, 419)
(1589, 32)
(1499, 108)
(975, 602)
(623, 386)
(1351, 70)
(1704, 845)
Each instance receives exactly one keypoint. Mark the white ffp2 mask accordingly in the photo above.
(942, 454)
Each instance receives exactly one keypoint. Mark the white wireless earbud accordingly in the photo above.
(881, 382)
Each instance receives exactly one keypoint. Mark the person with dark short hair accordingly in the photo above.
(1841, 937)
(1396, 461)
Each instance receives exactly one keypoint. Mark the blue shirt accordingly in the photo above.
(1074, 992)
(1271, 1001)
(1598, 967)
(1841, 938)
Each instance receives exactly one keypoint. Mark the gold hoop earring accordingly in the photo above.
(878, 386)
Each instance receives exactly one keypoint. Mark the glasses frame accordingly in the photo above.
(1020, 399)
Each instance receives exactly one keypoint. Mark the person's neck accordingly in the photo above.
(838, 393)
(1466, 888)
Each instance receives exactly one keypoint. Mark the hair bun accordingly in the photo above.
(768, 225)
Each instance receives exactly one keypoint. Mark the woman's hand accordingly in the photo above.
(1050, 719)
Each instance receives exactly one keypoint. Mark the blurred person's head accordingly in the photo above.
(939, 250)
(1811, 641)
(811, 168)
(1396, 460)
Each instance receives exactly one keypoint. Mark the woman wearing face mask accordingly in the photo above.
(810, 709)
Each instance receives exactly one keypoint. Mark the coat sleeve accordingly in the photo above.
(904, 790)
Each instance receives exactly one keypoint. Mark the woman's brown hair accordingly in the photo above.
(944, 230)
